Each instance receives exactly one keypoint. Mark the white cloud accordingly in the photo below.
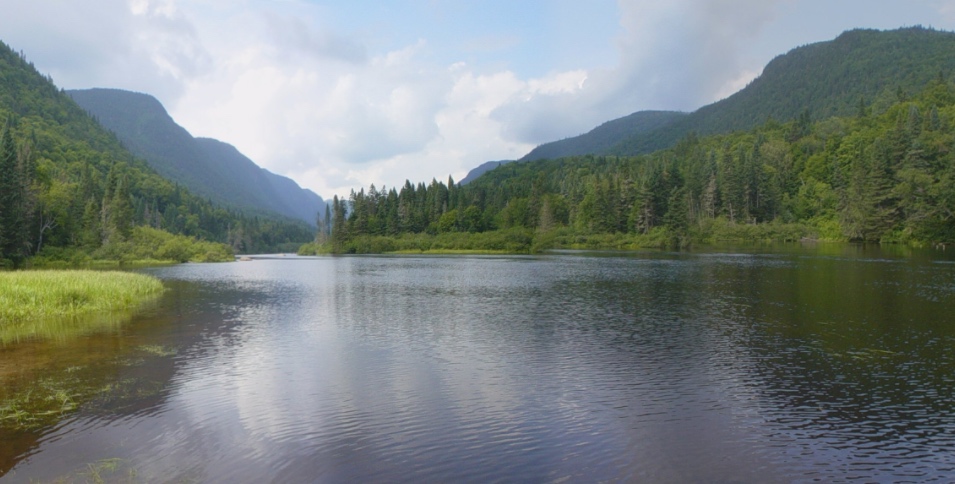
(144, 45)
(294, 35)
(946, 8)
(675, 55)
(292, 93)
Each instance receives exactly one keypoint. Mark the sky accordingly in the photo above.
(342, 94)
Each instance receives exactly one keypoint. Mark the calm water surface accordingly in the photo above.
(786, 366)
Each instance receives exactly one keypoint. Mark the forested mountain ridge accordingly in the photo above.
(604, 137)
(207, 167)
(67, 184)
(482, 169)
(818, 80)
(886, 176)
(821, 80)
(597, 140)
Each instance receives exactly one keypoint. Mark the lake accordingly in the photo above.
(794, 364)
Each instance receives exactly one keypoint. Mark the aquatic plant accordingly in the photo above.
(49, 303)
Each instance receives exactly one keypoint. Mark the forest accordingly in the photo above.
(70, 192)
(885, 174)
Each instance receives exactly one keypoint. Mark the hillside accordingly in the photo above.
(481, 169)
(599, 139)
(207, 167)
(256, 187)
(825, 79)
(819, 80)
(606, 136)
(69, 187)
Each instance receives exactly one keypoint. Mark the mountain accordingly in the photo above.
(210, 168)
(599, 139)
(825, 79)
(268, 190)
(820, 80)
(480, 170)
(604, 137)
(76, 191)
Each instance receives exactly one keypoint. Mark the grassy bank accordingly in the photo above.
(43, 303)
(527, 241)
(145, 247)
(510, 241)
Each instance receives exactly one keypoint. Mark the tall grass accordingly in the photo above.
(45, 303)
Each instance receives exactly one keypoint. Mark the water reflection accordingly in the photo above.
(757, 367)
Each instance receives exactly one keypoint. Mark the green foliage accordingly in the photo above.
(28, 298)
(512, 241)
(604, 137)
(722, 230)
(67, 183)
(315, 248)
(150, 243)
(17, 197)
(885, 178)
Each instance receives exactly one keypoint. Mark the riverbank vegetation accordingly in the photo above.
(145, 246)
(886, 175)
(49, 303)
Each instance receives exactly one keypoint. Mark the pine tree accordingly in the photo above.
(116, 216)
(17, 201)
(8, 194)
(91, 236)
(339, 230)
(122, 207)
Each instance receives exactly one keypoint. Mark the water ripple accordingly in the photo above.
(665, 368)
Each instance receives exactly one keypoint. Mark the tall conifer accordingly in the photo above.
(10, 218)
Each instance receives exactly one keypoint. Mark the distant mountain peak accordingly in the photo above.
(208, 167)
(824, 78)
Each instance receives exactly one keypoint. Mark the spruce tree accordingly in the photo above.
(11, 224)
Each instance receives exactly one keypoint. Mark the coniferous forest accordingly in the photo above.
(883, 175)
(69, 191)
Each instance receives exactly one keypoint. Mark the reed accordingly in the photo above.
(34, 303)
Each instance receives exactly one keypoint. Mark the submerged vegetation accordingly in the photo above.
(86, 383)
(47, 303)
(59, 305)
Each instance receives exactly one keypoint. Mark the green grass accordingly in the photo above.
(50, 303)
(45, 264)
(451, 252)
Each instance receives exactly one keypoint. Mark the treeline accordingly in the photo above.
(885, 176)
(68, 187)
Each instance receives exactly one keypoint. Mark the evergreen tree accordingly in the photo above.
(17, 197)
(9, 191)
(339, 230)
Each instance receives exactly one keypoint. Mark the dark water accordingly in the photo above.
(800, 365)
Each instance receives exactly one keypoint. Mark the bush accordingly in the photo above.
(370, 244)
(722, 230)
(150, 243)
